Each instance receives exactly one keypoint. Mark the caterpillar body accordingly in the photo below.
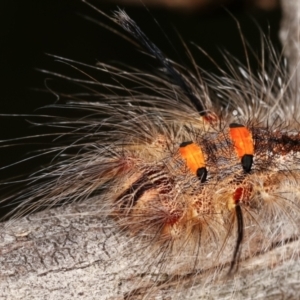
(196, 178)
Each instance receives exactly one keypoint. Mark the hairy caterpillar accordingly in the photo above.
(176, 208)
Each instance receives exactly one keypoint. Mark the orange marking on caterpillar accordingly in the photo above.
(243, 144)
(238, 194)
(174, 217)
(241, 194)
(194, 157)
(210, 117)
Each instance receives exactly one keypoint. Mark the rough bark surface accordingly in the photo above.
(67, 254)
(290, 34)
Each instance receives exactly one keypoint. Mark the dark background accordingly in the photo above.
(30, 29)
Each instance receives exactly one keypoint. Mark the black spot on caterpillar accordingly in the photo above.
(124, 157)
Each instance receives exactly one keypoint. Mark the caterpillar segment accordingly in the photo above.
(194, 158)
(174, 196)
(244, 147)
(243, 144)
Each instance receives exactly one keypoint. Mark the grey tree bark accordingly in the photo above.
(73, 253)
(67, 253)
(290, 36)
